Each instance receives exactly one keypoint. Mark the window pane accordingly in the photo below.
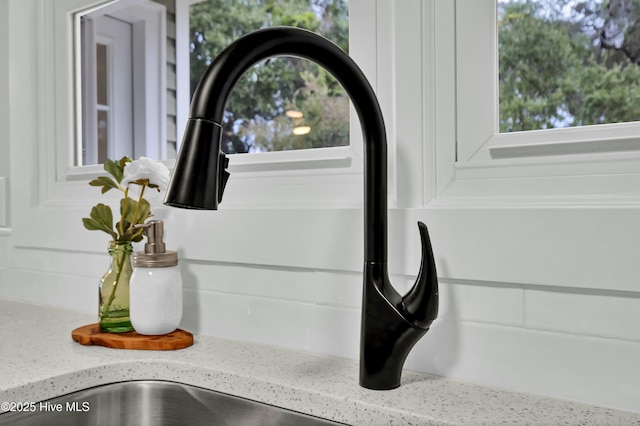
(565, 63)
(101, 74)
(284, 103)
(103, 135)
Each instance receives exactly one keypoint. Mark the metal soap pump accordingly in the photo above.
(156, 285)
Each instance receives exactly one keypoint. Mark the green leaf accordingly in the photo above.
(127, 209)
(125, 226)
(132, 213)
(124, 160)
(105, 182)
(129, 233)
(102, 213)
(101, 220)
(114, 169)
(145, 211)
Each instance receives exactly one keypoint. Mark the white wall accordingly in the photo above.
(4, 114)
(527, 302)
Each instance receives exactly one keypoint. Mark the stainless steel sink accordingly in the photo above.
(156, 403)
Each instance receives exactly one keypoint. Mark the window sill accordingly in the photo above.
(586, 173)
(622, 137)
(591, 156)
(326, 178)
(325, 158)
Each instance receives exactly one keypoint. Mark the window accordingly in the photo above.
(478, 131)
(122, 92)
(107, 86)
(283, 104)
(161, 99)
(566, 64)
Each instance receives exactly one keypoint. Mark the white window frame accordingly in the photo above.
(259, 179)
(120, 136)
(598, 153)
(360, 22)
(148, 21)
(332, 177)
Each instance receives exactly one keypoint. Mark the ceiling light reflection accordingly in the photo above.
(292, 113)
(301, 130)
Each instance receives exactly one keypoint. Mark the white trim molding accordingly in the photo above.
(595, 139)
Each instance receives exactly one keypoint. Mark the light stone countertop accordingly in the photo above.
(38, 361)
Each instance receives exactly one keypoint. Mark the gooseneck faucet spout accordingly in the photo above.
(391, 323)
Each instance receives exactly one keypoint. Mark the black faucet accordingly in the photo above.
(391, 324)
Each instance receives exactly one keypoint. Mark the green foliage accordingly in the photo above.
(101, 220)
(609, 95)
(568, 63)
(132, 212)
(116, 170)
(322, 111)
(105, 182)
(255, 112)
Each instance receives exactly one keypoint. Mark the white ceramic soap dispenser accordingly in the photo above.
(155, 289)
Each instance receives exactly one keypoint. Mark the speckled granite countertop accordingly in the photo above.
(38, 360)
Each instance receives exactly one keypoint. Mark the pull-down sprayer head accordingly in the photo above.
(200, 175)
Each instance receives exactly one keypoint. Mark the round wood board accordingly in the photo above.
(91, 335)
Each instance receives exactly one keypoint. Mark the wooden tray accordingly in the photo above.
(91, 335)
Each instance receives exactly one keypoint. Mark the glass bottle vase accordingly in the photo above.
(114, 289)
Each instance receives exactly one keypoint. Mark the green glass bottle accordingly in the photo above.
(114, 289)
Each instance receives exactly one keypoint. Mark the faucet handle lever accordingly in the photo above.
(421, 302)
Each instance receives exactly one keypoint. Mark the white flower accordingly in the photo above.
(146, 170)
